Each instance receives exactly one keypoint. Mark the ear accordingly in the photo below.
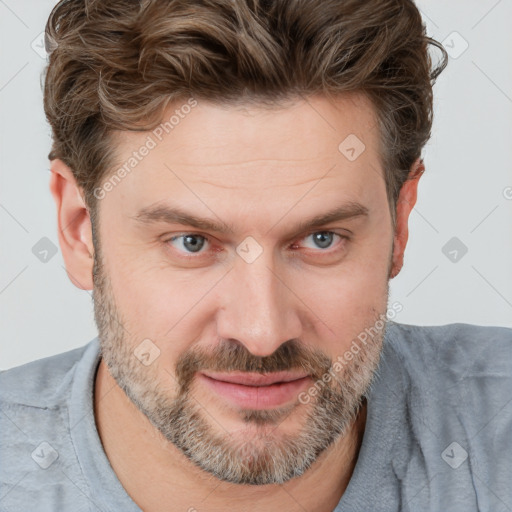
(74, 225)
(405, 204)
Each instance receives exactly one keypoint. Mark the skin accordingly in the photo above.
(263, 171)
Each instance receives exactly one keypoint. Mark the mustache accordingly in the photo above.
(233, 356)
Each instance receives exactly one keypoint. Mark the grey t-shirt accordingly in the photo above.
(438, 435)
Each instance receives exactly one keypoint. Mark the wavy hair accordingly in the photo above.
(116, 65)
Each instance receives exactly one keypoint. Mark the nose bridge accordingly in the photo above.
(259, 311)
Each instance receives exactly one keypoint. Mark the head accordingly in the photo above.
(198, 149)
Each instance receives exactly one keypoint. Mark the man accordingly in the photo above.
(233, 180)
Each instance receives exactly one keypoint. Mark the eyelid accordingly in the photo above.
(336, 231)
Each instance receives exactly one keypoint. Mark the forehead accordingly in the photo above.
(207, 152)
(251, 132)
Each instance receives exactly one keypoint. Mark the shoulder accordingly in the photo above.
(456, 382)
(454, 396)
(454, 352)
(35, 400)
(458, 374)
(41, 383)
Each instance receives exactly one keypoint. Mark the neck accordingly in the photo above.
(151, 469)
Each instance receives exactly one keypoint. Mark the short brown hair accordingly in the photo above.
(116, 65)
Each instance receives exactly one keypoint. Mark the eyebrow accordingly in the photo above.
(174, 215)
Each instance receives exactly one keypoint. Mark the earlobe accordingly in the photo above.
(74, 225)
(405, 204)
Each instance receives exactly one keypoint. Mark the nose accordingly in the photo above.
(259, 310)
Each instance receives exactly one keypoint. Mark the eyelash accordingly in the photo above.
(189, 256)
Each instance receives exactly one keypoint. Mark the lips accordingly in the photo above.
(254, 390)
(255, 379)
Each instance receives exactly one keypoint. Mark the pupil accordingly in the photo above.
(324, 239)
(191, 245)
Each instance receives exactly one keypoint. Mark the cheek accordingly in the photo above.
(350, 297)
(157, 302)
(139, 294)
(347, 300)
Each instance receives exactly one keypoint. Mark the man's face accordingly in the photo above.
(180, 308)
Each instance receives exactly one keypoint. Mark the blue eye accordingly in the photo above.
(191, 242)
(323, 239)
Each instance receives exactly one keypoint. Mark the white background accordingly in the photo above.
(463, 193)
